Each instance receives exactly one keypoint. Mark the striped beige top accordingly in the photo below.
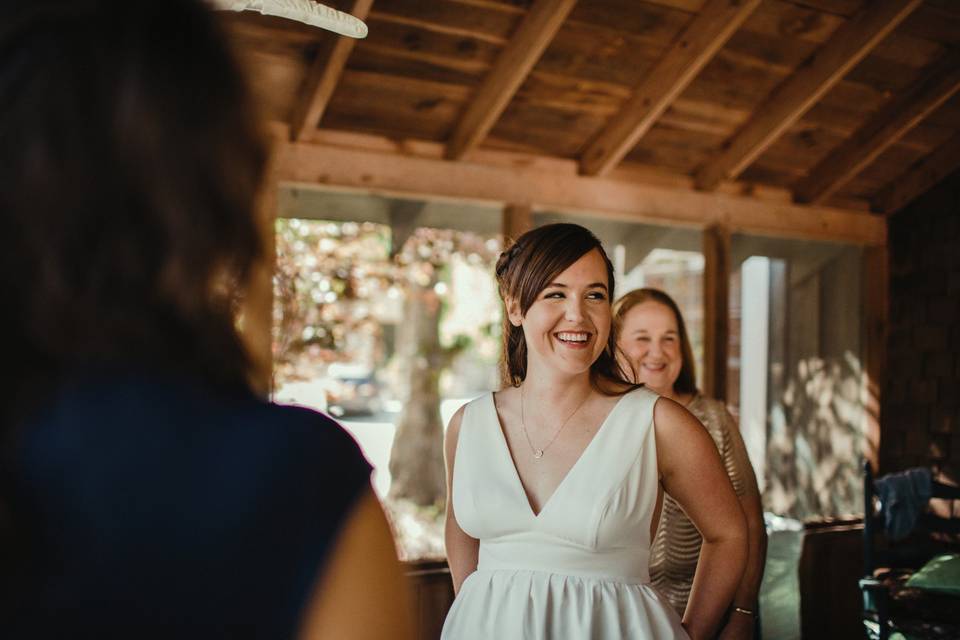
(676, 546)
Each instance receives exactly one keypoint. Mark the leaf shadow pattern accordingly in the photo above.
(816, 434)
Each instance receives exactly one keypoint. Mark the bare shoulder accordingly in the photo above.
(673, 423)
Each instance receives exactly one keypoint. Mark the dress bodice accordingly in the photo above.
(579, 567)
(597, 521)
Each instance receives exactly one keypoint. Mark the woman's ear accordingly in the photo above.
(513, 312)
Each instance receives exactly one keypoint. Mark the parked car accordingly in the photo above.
(352, 389)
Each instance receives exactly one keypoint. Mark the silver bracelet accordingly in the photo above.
(746, 612)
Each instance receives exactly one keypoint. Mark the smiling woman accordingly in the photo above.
(655, 346)
(554, 483)
(526, 273)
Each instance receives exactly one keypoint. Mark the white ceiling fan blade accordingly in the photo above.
(306, 11)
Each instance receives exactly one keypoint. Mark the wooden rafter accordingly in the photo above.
(923, 176)
(904, 112)
(431, 177)
(847, 47)
(703, 37)
(511, 68)
(322, 79)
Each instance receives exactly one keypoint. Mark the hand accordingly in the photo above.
(738, 627)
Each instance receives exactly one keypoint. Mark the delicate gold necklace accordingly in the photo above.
(538, 452)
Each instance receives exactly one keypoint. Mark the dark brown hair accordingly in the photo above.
(524, 270)
(687, 379)
(131, 160)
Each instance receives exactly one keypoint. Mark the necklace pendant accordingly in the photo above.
(538, 453)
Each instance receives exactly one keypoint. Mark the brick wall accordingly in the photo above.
(920, 418)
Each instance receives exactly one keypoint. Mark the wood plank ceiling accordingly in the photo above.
(850, 105)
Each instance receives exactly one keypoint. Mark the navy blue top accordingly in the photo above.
(158, 508)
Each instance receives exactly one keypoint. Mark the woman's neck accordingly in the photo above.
(555, 388)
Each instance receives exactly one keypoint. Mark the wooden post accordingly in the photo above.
(716, 310)
(517, 220)
(875, 281)
(256, 320)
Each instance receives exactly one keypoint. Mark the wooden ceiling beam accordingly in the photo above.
(920, 178)
(535, 32)
(434, 178)
(707, 32)
(322, 79)
(849, 44)
(905, 111)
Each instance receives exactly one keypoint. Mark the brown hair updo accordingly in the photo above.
(524, 270)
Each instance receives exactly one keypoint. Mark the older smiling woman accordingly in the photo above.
(652, 339)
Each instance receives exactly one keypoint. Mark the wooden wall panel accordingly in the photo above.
(937, 23)
(908, 49)
(672, 148)
(655, 23)
(460, 51)
(449, 17)
(383, 104)
(757, 173)
(947, 116)
(704, 117)
(890, 163)
(402, 65)
(788, 20)
(593, 53)
(547, 130)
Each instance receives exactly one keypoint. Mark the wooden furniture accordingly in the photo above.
(827, 571)
(888, 603)
(432, 595)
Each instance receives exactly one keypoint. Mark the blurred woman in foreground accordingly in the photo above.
(146, 491)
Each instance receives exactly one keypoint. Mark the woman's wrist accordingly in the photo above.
(745, 611)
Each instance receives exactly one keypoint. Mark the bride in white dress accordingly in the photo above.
(555, 483)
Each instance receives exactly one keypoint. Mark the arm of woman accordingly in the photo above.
(462, 550)
(692, 473)
(739, 625)
(362, 593)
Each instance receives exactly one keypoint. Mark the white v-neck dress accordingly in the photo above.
(578, 569)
